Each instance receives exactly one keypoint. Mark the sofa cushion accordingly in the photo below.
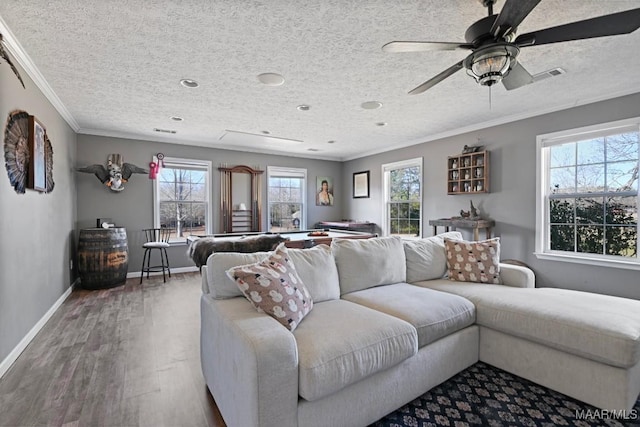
(273, 287)
(340, 343)
(434, 314)
(593, 326)
(317, 269)
(219, 285)
(426, 259)
(473, 261)
(364, 263)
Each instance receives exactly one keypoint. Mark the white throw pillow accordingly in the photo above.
(364, 263)
(426, 258)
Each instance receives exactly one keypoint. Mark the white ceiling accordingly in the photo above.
(115, 67)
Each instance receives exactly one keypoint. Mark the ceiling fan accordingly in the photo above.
(495, 48)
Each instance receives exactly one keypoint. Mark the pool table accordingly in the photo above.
(301, 239)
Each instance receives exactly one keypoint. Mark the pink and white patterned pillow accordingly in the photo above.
(473, 261)
(273, 286)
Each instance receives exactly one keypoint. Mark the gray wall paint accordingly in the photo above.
(133, 207)
(36, 229)
(513, 184)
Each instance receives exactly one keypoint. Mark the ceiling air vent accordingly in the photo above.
(164, 130)
(549, 73)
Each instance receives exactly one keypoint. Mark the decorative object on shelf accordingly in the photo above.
(116, 174)
(21, 131)
(324, 191)
(472, 149)
(361, 185)
(473, 211)
(156, 165)
(468, 173)
(5, 56)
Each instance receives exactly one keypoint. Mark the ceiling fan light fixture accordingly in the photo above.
(491, 64)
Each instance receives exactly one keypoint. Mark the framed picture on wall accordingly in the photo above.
(37, 171)
(324, 191)
(361, 185)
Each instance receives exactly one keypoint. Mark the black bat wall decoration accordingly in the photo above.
(5, 56)
(116, 174)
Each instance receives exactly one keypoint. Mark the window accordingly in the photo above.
(587, 205)
(403, 198)
(182, 198)
(286, 199)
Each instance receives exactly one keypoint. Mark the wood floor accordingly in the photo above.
(127, 356)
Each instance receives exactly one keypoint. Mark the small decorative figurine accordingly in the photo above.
(473, 211)
(115, 174)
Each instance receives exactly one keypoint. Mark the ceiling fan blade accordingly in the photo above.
(512, 14)
(407, 46)
(609, 25)
(517, 77)
(437, 79)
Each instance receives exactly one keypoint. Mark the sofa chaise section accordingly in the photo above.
(584, 345)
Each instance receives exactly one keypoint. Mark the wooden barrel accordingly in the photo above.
(103, 257)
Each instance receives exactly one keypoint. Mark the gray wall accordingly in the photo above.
(36, 229)
(133, 207)
(511, 202)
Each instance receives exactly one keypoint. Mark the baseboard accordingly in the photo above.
(17, 351)
(190, 269)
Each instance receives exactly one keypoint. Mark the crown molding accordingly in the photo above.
(15, 49)
(211, 143)
(496, 122)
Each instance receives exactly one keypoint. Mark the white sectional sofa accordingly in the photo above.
(373, 342)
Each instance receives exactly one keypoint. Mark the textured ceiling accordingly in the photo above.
(115, 66)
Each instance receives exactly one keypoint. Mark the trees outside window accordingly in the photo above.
(286, 196)
(403, 198)
(590, 193)
(182, 198)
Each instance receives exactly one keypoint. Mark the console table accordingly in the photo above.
(453, 223)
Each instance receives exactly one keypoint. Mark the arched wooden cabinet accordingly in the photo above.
(240, 199)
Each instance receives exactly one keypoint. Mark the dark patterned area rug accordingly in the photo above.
(483, 395)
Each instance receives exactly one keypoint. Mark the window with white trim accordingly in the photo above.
(403, 198)
(182, 200)
(587, 204)
(286, 195)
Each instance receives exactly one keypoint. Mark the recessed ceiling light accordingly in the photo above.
(189, 83)
(271, 79)
(177, 118)
(371, 105)
(331, 142)
(303, 107)
(381, 124)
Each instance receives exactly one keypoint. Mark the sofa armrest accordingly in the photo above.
(250, 364)
(205, 279)
(517, 276)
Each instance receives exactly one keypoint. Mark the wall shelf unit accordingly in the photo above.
(468, 173)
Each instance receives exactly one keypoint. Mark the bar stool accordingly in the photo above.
(157, 238)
